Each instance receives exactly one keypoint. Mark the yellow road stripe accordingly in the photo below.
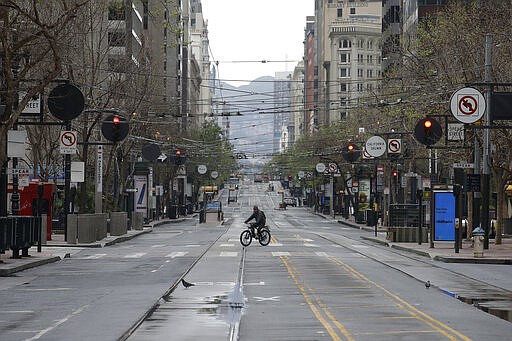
(418, 314)
(293, 271)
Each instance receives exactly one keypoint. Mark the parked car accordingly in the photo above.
(290, 202)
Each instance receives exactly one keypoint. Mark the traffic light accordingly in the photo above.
(178, 157)
(351, 152)
(115, 128)
(396, 174)
(428, 131)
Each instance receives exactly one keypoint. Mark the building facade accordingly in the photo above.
(349, 55)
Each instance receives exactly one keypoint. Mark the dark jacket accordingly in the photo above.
(260, 218)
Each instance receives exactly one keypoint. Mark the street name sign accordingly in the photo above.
(376, 146)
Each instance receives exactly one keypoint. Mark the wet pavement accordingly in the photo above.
(221, 296)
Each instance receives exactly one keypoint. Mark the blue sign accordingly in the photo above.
(444, 216)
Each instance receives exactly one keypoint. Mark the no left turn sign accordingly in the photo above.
(467, 105)
(394, 146)
(68, 142)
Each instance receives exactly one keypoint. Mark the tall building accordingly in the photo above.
(200, 54)
(349, 55)
(297, 101)
(310, 78)
(282, 105)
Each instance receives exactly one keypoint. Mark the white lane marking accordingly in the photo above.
(227, 245)
(275, 244)
(176, 254)
(214, 283)
(256, 283)
(16, 311)
(96, 256)
(136, 255)
(322, 254)
(58, 323)
(280, 254)
(192, 245)
(310, 245)
(359, 246)
(273, 298)
(48, 289)
(158, 245)
(228, 254)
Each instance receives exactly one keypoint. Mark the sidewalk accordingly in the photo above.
(442, 251)
(58, 249)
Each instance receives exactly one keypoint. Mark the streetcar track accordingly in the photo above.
(168, 292)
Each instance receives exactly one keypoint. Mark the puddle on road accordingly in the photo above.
(194, 313)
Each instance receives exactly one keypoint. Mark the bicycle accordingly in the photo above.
(262, 235)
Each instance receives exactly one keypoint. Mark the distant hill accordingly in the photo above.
(252, 132)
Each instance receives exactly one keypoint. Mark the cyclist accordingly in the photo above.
(260, 219)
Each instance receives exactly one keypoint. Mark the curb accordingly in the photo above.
(9, 271)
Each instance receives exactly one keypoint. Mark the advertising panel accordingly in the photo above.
(444, 216)
(141, 199)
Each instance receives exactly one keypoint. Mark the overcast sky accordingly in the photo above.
(241, 31)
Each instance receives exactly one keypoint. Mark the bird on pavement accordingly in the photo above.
(186, 284)
(427, 284)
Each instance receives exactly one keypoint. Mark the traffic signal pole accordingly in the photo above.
(486, 142)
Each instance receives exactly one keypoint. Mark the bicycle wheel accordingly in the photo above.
(246, 238)
(264, 238)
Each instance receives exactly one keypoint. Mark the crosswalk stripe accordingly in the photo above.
(176, 254)
(135, 255)
(228, 254)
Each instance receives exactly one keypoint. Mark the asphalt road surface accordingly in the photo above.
(316, 280)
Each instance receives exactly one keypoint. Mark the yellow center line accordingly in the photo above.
(440, 327)
(293, 271)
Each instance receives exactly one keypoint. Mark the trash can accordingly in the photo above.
(478, 242)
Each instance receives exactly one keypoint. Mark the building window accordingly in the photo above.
(340, 12)
(343, 87)
(369, 73)
(360, 58)
(116, 12)
(345, 44)
(360, 43)
(116, 39)
(344, 72)
(352, 11)
(369, 59)
(370, 44)
(360, 73)
(344, 57)
(359, 87)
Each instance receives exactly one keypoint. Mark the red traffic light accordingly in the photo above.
(350, 147)
(395, 174)
(116, 120)
(178, 152)
(428, 131)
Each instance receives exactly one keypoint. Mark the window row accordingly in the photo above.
(344, 57)
(359, 87)
(360, 43)
(344, 72)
